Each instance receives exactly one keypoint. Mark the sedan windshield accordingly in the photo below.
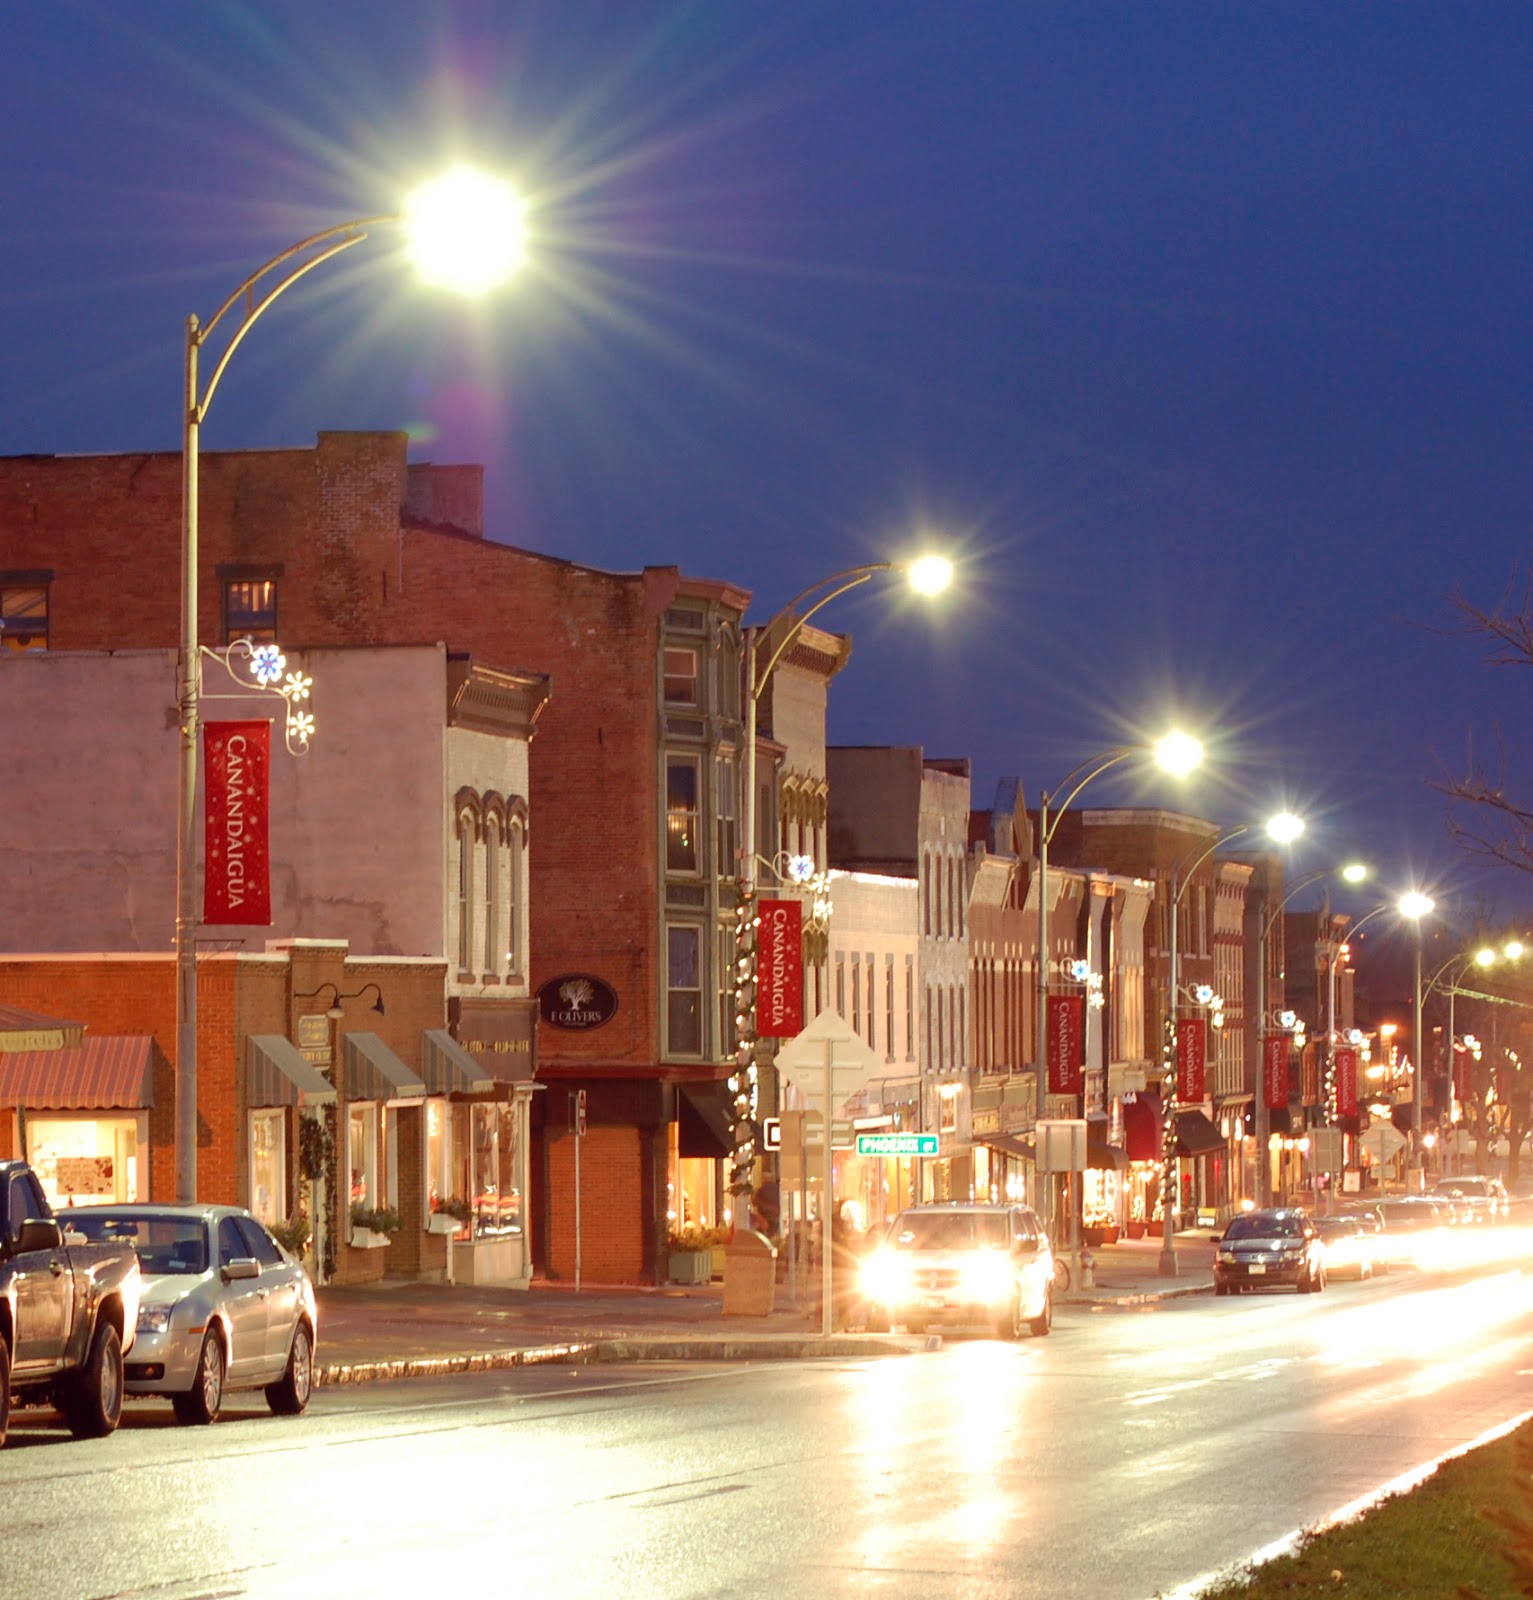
(956, 1230)
(165, 1244)
(1263, 1225)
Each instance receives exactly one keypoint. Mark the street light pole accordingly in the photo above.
(929, 575)
(485, 241)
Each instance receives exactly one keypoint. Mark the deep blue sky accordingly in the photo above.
(1201, 332)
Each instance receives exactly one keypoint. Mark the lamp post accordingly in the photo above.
(1282, 829)
(487, 222)
(1354, 872)
(1174, 752)
(1485, 957)
(1414, 906)
(928, 575)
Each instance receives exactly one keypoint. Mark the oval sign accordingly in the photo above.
(577, 1001)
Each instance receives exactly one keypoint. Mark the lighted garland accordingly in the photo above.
(743, 1084)
(1168, 1129)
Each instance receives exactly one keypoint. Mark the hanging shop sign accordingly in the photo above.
(1309, 1075)
(1191, 1059)
(577, 1001)
(236, 877)
(1275, 1049)
(780, 969)
(1066, 1042)
(1346, 1083)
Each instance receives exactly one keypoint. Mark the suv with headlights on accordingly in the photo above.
(962, 1263)
(1267, 1249)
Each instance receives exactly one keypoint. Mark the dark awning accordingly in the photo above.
(1013, 1144)
(1141, 1128)
(101, 1075)
(705, 1121)
(1104, 1157)
(277, 1074)
(374, 1072)
(448, 1068)
(1196, 1135)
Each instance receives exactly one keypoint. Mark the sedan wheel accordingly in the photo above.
(91, 1398)
(290, 1395)
(1008, 1325)
(1041, 1324)
(204, 1400)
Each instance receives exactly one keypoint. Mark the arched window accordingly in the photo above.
(493, 868)
(515, 879)
(466, 833)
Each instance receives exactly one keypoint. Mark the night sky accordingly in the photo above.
(1200, 334)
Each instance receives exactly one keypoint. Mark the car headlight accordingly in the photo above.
(154, 1319)
(987, 1276)
(885, 1277)
(1226, 1255)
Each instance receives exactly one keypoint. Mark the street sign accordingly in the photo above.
(771, 1133)
(896, 1144)
(828, 1055)
(580, 1113)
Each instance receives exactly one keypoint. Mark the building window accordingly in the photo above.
(872, 973)
(856, 993)
(727, 859)
(268, 1165)
(24, 616)
(492, 880)
(910, 1008)
(465, 896)
(840, 984)
(680, 688)
(727, 959)
(681, 854)
(684, 991)
(250, 610)
(888, 1008)
(515, 877)
(365, 1153)
(926, 895)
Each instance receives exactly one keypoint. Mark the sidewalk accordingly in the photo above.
(407, 1330)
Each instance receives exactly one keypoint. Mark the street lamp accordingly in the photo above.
(1353, 872)
(928, 575)
(1283, 828)
(484, 217)
(1414, 905)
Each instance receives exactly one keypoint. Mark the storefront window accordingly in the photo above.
(485, 1156)
(268, 1166)
(85, 1160)
(366, 1155)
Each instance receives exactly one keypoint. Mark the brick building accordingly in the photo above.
(633, 780)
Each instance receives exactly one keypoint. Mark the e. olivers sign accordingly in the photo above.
(577, 1001)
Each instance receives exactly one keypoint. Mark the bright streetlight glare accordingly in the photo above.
(466, 230)
(1354, 872)
(1485, 956)
(1513, 951)
(1416, 905)
(1178, 753)
(1285, 827)
(930, 574)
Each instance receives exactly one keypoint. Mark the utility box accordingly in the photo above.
(750, 1274)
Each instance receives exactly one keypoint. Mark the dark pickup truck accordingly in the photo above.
(68, 1311)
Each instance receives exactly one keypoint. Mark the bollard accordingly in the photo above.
(1088, 1270)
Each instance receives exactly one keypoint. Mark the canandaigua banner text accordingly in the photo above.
(1275, 1049)
(1066, 1043)
(236, 874)
(780, 969)
(1191, 1058)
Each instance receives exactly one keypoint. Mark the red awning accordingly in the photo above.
(101, 1075)
(1141, 1128)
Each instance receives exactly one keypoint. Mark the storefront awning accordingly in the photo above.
(1012, 1144)
(705, 1121)
(1141, 1129)
(276, 1074)
(104, 1074)
(1104, 1157)
(374, 1072)
(448, 1068)
(1196, 1135)
(26, 1030)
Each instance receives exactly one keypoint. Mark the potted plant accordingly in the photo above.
(294, 1234)
(1100, 1226)
(373, 1227)
(449, 1214)
(1136, 1223)
(689, 1254)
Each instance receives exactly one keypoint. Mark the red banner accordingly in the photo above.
(1191, 1059)
(1346, 1083)
(1066, 1043)
(1463, 1075)
(236, 875)
(780, 969)
(1275, 1048)
(1309, 1079)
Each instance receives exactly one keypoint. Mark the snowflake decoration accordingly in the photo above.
(267, 664)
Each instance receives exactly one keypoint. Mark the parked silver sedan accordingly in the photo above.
(224, 1306)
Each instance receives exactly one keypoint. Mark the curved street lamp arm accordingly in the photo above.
(1298, 888)
(852, 578)
(1098, 764)
(1367, 916)
(336, 239)
(1178, 876)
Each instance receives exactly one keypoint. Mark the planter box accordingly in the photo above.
(440, 1222)
(717, 1254)
(689, 1266)
(366, 1239)
(1154, 1229)
(488, 1260)
(1106, 1234)
(1136, 1230)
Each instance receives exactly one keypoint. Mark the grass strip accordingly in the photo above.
(1465, 1533)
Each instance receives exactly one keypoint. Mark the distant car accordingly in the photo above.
(963, 1263)
(224, 1307)
(1413, 1226)
(1366, 1213)
(1269, 1249)
(1349, 1247)
(1480, 1198)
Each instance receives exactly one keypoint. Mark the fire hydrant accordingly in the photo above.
(1088, 1269)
